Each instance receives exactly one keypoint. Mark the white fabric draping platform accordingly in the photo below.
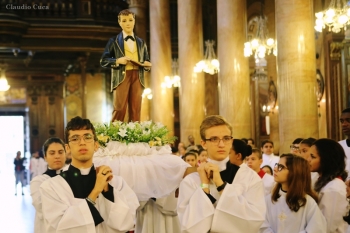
(149, 171)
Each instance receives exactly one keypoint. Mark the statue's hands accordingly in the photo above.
(122, 60)
(147, 63)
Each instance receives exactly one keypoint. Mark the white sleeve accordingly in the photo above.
(36, 201)
(120, 214)
(240, 209)
(35, 193)
(62, 212)
(315, 219)
(333, 206)
(194, 208)
(266, 226)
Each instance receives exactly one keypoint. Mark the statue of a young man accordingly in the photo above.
(127, 56)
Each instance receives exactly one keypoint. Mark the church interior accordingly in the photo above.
(295, 87)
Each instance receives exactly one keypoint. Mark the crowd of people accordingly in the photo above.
(234, 188)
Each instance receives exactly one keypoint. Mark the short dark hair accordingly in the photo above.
(78, 123)
(239, 146)
(251, 139)
(268, 167)
(125, 12)
(266, 141)
(257, 151)
(189, 154)
(297, 140)
(308, 141)
(346, 110)
(49, 141)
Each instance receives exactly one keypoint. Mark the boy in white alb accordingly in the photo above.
(82, 197)
(217, 198)
(254, 161)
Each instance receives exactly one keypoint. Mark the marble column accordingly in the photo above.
(192, 105)
(139, 7)
(296, 66)
(163, 104)
(234, 80)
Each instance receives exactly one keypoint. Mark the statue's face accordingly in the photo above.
(127, 23)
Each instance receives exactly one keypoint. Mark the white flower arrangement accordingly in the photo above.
(155, 134)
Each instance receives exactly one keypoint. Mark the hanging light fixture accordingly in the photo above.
(335, 17)
(209, 64)
(3, 81)
(260, 44)
(174, 79)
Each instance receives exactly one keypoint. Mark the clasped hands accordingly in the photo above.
(209, 171)
(103, 176)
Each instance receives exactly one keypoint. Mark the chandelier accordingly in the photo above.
(209, 64)
(3, 81)
(335, 17)
(260, 44)
(174, 79)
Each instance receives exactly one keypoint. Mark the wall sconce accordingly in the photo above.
(3, 81)
(266, 108)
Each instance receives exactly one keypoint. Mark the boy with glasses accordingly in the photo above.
(221, 197)
(81, 199)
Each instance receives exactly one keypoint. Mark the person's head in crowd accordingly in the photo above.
(244, 140)
(304, 147)
(81, 141)
(267, 169)
(345, 122)
(54, 153)
(200, 147)
(18, 155)
(35, 154)
(292, 175)
(174, 150)
(181, 149)
(327, 158)
(267, 147)
(239, 151)
(190, 158)
(294, 147)
(251, 142)
(254, 160)
(191, 140)
(202, 155)
(216, 137)
(189, 148)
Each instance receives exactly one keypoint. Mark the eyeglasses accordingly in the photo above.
(225, 139)
(76, 139)
(294, 147)
(280, 167)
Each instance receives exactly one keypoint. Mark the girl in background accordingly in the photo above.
(292, 206)
(327, 158)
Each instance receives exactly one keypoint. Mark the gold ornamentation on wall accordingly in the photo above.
(335, 50)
